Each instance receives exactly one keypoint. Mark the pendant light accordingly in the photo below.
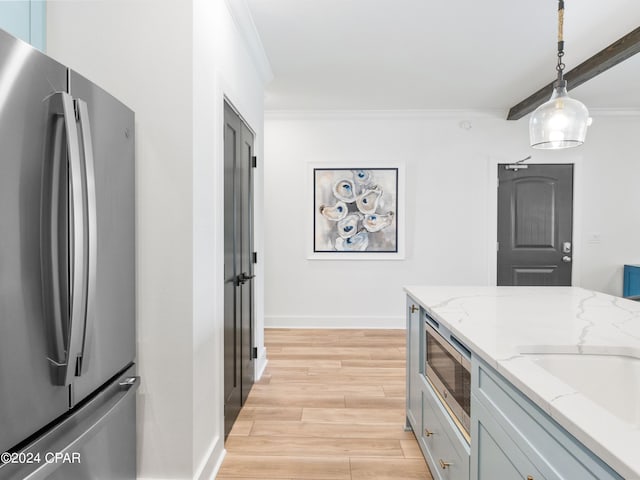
(562, 121)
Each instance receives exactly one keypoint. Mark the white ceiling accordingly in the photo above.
(428, 54)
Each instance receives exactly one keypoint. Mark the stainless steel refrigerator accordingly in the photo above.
(67, 273)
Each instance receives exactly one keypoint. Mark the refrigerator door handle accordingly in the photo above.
(77, 240)
(53, 244)
(91, 231)
(67, 336)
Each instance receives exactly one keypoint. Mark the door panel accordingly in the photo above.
(534, 213)
(543, 276)
(232, 381)
(110, 340)
(535, 223)
(238, 270)
(28, 396)
(245, 174)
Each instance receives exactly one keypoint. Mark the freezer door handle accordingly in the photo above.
(69, 437)
(67, 308)
(91, 232)
(128, 382)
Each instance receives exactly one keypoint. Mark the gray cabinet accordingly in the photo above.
(414, 398)
(444, 448)
(511, 434)
(25, 19)
(511, 437)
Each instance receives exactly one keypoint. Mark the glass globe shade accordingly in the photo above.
(560, 122)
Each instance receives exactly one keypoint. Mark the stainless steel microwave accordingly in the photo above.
(449, 371)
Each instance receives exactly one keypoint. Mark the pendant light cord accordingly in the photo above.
(560, 66)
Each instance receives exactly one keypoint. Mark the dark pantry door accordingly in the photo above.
(238, 265)
(535, 224)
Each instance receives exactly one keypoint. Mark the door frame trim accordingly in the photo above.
(567, 158)
(226, 100)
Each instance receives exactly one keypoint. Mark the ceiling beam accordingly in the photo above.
(615, 53)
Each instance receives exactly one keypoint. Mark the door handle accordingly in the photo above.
(566, 247)
(53, 245)
(63, 367)
(91, 231)
(78, 241)
(566, 259)
(243, 278)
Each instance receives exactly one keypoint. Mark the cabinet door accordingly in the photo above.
(494, 454)
(545, 444)
(414, 398)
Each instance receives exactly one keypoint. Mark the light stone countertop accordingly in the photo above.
(502, 325)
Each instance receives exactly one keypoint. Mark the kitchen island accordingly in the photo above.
(555, 382)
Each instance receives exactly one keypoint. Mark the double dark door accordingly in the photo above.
(535, 224)
(238, 265)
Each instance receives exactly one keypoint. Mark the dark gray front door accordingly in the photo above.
(238, 265)
(535, 222)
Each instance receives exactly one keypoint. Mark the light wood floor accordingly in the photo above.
(330, 406)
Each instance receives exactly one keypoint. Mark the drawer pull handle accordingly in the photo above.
(529, 477)
(444, 464)
(427, 433)
(414, 309)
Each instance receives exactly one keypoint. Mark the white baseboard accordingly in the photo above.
(212, 465)
(316, 321)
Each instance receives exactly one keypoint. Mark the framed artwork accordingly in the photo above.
(357, 212)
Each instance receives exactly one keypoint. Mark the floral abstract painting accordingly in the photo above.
(355, 210)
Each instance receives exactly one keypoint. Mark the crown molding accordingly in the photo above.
(239, 11)
(446, 114)
(400, 114)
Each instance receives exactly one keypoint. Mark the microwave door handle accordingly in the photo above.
(77, 246)
(91, 231)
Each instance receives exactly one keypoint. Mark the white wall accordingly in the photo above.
(172, 61)
(225, 32)
(450, 207)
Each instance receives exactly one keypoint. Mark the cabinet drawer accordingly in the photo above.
(448, 453)
(553, 450)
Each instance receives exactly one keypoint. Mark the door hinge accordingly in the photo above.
(255, 352)
(255, 257)
(254, 161)
(497, 246)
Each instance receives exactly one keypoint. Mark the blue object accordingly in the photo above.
(25, 19)
(631, 283)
